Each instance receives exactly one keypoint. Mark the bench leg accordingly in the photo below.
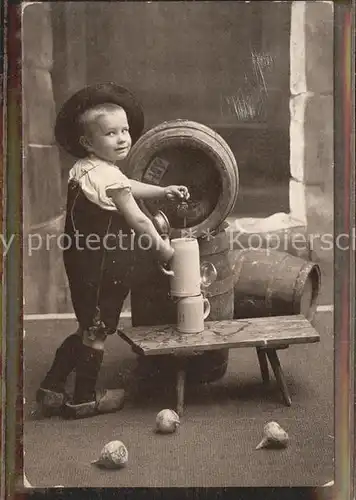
(278, 373)
(262, 359)
(180, 390)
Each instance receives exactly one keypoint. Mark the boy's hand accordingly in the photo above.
(177, 192)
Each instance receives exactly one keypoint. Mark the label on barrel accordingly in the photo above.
(156, 170)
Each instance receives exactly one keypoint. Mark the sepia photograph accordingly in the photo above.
(178, 244)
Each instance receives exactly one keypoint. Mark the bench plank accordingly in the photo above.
(254, 332)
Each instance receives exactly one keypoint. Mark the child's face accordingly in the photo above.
(108, 136)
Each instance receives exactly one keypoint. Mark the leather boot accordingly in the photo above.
(88, 402)
(51, 395)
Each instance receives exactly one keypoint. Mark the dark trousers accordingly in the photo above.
(100, 277)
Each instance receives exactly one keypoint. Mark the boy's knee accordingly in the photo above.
(94, 340)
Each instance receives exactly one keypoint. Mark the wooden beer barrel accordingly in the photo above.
(188, 153)
(273, 283)
(151, 304)
(215, 249)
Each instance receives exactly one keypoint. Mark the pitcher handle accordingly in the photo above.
(206, 308)
(167, 272)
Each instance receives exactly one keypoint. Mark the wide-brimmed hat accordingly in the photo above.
(67, 131)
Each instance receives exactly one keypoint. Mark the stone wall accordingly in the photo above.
(312, 124)
(45, 287)
(69, 71)
(309, 225)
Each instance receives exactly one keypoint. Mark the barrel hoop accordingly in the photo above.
(220, 287)
(212, 245)
(306, 269)
(237, 267)
(219, 252)
(195, 126)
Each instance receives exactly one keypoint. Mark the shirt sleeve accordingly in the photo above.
(96, 181)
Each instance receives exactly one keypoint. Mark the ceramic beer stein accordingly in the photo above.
(185, 279)
(191, 313)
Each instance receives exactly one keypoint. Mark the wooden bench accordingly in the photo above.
(267, 335)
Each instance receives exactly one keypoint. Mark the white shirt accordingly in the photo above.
(95, 176)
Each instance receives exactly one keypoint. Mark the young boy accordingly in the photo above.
(98, 126)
